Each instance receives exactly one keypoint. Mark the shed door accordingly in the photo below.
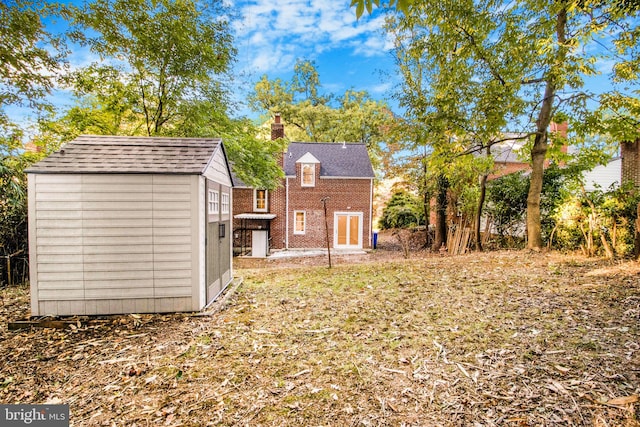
(214, 285)
(348, 230)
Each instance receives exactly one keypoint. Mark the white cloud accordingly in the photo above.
(374, 46)
(275, 60)
(273, 33)
(81, 56)
(382, 88)
(605, 66)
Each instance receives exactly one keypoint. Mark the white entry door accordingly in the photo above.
(347, 233)
(259, 243)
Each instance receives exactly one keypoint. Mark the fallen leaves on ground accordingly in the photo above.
(495, 339)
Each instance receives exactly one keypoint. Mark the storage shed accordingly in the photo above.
(129, 225)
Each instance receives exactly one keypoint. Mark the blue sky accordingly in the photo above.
(271, 35)
(349, 53)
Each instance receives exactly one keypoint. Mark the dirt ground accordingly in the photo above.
(508, 338)
(389, 248)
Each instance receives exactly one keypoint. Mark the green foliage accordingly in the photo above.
(507, 203)
(30, 57)
(455, 105)
(165, 53)
(598, 221)
(555, 187)
(13, 204)
(618, 113)
(361, 5)
(474, 70)
(163, 73)
(404, 210)
(253, 160)
(30, 60)
(108, 102)
(13, 217)
(311, 115)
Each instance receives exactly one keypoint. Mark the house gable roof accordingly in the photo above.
(308, 158)
(337, 160)
(130, 154)
(507, 150)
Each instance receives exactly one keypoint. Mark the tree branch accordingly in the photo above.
(489, 144)
(481, 55)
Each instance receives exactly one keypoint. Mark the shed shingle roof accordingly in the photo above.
(337, 160)
(127, 154)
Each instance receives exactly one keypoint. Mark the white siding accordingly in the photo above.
(113, 243)
(603, 176)
(201, 245)
(217, 169)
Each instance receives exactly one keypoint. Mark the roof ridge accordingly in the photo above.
(328, 143)
(123, 154)
(146, 137)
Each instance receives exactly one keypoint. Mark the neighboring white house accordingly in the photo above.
(129, 224)
(604, 176)
(507, 160)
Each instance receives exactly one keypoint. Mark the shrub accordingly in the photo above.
(404, 210)
(598, 222)
(507, 203)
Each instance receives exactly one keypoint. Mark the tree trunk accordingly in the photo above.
(441, 213)
(426, 200)
(483, 193)
(540, 144)
(606, 246)
(426, 205)
(538, 155)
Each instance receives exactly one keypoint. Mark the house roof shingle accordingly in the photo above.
(337, 160)
(130, 154)
(507, 150)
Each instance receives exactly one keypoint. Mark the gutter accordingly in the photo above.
(286, 209)
(371, 215)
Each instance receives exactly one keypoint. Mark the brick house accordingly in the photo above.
(292, 216)
(630, 153)
(506, 158)
(505, 154)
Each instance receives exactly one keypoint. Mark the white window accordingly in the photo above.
(308, 175)
(224, 203)
(299, 222)
(214, 202)
(260, 200)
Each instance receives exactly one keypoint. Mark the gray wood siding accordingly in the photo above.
(217, 169)
(218, 249)
(113, 243)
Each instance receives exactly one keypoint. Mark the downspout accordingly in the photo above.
(286, 208)
(371, 214)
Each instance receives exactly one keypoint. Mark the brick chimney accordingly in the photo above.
(277, 129)
(561, 129)
(31, 147)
